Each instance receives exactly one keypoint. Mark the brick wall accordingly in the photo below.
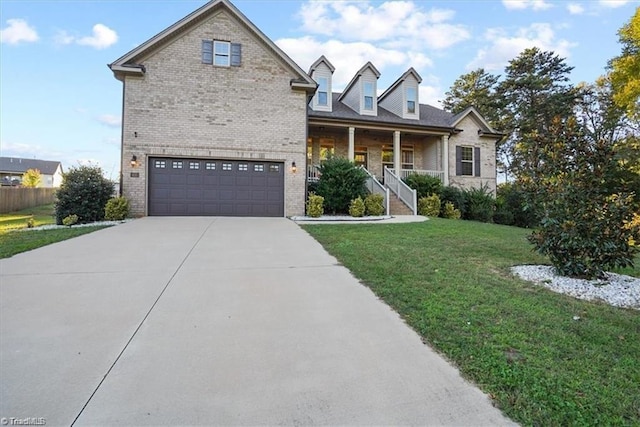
(182, 107)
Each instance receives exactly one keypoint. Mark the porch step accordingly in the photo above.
(397, 206)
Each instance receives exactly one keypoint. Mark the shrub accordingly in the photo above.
(117, 209)
(511, 207)
(480, 204)
(340, 182)
(70, 220)
(357, 207)
(429, 206)
(455, 196)
(312, 187)
(84, 192)
(315, 207)
(31, 223)
(32, 178)
(424, 185)
(450, 211)
(374, 204)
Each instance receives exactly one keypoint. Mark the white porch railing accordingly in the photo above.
(374, 187)
(407, 194)
(406, 172)
(313, 174)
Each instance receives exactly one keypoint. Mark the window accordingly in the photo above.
(211, 166)
(221, 53)
(176, 164)
(467, 161)
(323, 87)
(274, 168)
(227, 167)
(207, 51)
(411, 100)
(407, 157)
(368, 96)
(160, 164)
(387, 156)
(360, 157)
(258, 168)
(243, 167)
(194, 165)
(327, 149)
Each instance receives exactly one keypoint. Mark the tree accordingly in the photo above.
(31, 178)
(625, 68)
(598, 114)
(477, 89)
(536, 90)
(84, 192)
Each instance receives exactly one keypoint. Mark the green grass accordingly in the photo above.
(14, 242)
(450, 281)
(41, 215)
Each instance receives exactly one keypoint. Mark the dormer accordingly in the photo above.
(402, 97)
(321, 72)
(360, 93)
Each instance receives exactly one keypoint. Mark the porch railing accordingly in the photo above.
(406, 172)
(374, 187)
(313, 174)
(407, 194)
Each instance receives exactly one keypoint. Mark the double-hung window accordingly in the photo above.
(221, 53)
(467, 161)
(368, 96)
(323, 88)
(411, 100)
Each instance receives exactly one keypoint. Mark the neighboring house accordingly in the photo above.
(12, 169)
(218, 120)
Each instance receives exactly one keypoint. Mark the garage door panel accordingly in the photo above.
(215, 187)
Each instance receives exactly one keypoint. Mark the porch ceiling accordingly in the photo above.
(317, 125)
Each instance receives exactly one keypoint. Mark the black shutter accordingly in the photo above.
(476, 160)
(458, 161)
(207, 51)
(236, 54)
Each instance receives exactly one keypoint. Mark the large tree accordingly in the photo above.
(477, 89)
(625, 68)
(535, 91)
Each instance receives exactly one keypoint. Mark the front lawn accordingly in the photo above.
(41, 215)
(519, 342)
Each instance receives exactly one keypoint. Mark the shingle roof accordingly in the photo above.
(18, 165)
(429, 116)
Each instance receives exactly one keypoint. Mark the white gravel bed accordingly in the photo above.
(91, 224)
(617, 289)
(330, 218)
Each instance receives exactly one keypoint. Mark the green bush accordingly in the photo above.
(450, 212)
(315, 207)
(429, 206)
(340, 182)
(357, 207)
(480, 204)
(511, 207)
(424, 185)
(374, 204)
(117, 209)
(84, 192)
(455, 196)
(70, 220)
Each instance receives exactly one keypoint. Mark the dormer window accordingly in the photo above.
(368, 96)
(323, 88)
(411, 100)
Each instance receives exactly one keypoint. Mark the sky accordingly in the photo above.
(59, 100)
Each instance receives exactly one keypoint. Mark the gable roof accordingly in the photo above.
(360, 72)
(320, 61)
(430, 117)
(126, 64)
(475, 113)
(19, 165)
(403, 77)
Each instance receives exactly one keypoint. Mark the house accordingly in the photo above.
(13, 168)
(218, 120)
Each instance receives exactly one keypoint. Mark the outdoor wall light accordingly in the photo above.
(134, 161)
(135, 134)
(294, 169)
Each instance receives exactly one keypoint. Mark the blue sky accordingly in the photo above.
(59, 101)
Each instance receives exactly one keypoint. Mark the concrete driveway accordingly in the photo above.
(212, 321)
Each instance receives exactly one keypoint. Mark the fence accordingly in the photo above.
(18, 198)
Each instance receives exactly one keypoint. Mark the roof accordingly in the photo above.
(429, 116)
(360, 72)
(320, 61)
(18, 165)
(472, 111)
(127, 64)
(403, 77)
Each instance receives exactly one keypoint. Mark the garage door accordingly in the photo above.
(215, 187)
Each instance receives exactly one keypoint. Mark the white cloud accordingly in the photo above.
(431, 95)
(102, 37)
(110, 120)
(504, 47)
(613, 3)
(18, 30)
(526, 4)
(348, 58)
(575, 8)
(398, 23)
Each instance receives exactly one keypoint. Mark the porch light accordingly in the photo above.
(134, 161)
(294, 169)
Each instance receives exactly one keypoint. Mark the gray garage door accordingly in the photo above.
(215, 187)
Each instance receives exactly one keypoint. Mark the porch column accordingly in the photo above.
(352, 144)
(445, 159)
(397, 165)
